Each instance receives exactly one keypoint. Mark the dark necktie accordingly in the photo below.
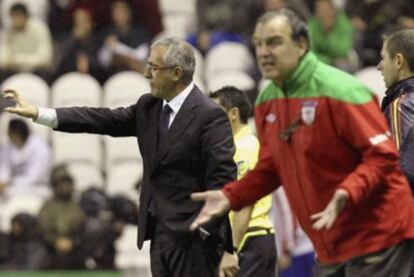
(162, 131)
(164, 122)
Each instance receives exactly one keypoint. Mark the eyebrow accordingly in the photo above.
(267, 38)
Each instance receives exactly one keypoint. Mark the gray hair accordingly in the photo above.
(179, 53)
(297, 23)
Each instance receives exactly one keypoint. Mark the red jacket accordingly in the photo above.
(327, 132)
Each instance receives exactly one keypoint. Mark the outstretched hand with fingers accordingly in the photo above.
(21, 108)
(216, 204)
(327, 217)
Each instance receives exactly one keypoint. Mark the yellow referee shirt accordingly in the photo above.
(247, 152)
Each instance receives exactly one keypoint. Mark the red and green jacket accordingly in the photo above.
(323, 131)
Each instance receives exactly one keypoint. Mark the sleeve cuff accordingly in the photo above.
(47, 117)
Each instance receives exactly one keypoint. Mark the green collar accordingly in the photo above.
(302, 73)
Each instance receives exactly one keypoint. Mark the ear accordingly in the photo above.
(178, 73)
(234, 114)
(303, 46)
(399, 61)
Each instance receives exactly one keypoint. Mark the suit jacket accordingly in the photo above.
(196, 155)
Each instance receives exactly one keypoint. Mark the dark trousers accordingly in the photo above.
(258, 257)
(394, 261)
(184, 255)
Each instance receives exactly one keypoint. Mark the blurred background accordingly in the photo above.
(68, 203)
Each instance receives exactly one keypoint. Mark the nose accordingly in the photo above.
(379, 66)
(147, 73)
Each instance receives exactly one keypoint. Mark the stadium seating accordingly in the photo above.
(124, 89)
(15, 205)
(76, 89)
(228, 56)
(36, 91)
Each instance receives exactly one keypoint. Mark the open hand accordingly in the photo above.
(21, 108)
(216, 204)
(327, 217)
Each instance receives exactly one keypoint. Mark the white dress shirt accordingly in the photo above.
(26, 170)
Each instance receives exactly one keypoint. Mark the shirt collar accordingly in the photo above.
(176, 103)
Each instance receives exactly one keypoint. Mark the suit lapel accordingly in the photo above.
(183, 118)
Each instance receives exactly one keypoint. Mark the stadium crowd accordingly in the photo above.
(103, 38)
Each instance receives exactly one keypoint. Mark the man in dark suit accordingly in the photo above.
(186, 143)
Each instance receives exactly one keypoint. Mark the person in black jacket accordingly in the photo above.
(397, 67)
(186, 144)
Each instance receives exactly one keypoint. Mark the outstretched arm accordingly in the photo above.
(114, 122)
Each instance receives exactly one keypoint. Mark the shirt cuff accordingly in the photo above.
(47, 117)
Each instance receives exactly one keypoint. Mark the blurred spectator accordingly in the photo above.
(218, 21)
(25, 163)
(124, 210)
(406, 15)
(4, 249)
(59, 18)
(38, 9)
(99, 235)
(298, 6)
(372, 18)
(106, 218)
(148, 12)
(99, 9)
(26, 44)
(61, 222)
(26, 251)
(332, 36)
(78, 52)
(125, 45)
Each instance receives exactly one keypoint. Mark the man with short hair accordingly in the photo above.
(253, 232)
(26, 45)
(397, 67)
(186, 144)
(25, 163)
(324, 138)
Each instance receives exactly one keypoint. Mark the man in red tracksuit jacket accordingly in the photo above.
(324, 138)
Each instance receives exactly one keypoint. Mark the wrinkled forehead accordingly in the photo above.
(276, 27)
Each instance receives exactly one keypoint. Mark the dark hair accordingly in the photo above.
(19, 8)
(231, 97)
(19, 127)
(402, 42)
(297, 23)
(56, 180)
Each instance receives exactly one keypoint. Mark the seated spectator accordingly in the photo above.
(78, 52)
(61, 222)
(26, 44)
(38, 9)
(125, 45)
(332, 36)
(370, 20)
(99, 235)
(218, 21)
(25, 163)
(26, 251)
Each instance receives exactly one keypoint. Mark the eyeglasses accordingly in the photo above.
(153, 67)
